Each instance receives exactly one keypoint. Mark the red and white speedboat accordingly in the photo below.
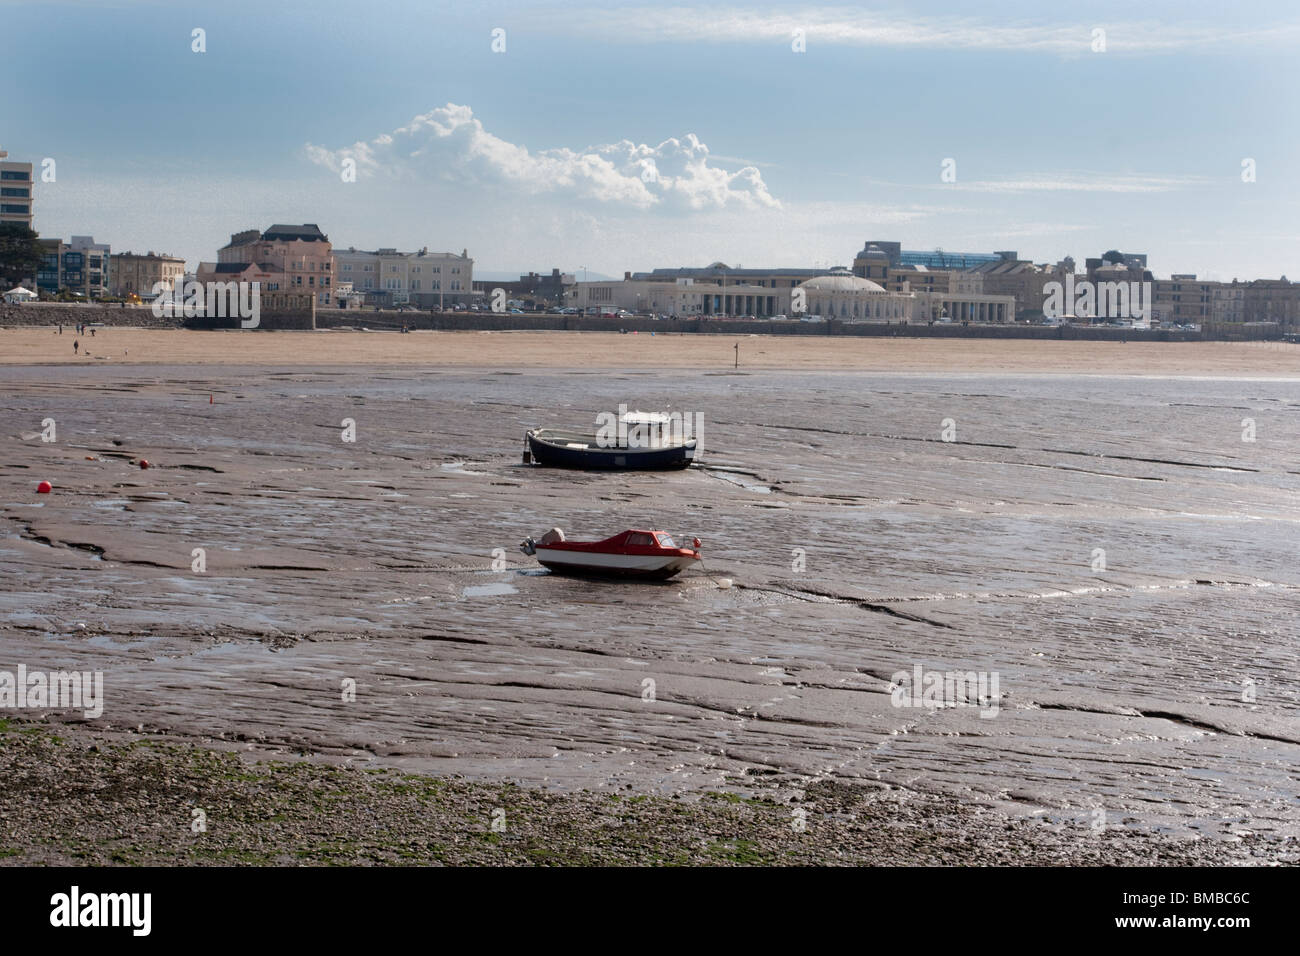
(629, 554)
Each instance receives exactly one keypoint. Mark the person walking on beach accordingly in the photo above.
(75, 344)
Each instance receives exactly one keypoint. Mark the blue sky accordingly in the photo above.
(624, 136)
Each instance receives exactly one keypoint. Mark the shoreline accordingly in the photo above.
(589, 352)
(136, 798)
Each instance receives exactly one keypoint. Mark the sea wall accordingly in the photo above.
(71, 314)
(478, 321)
(51, 314)
(56, 313)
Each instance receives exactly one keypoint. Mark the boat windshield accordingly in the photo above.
(665, 541)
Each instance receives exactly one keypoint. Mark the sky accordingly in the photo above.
(625, 136)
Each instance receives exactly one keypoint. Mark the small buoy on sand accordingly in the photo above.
(724, 583)
(143, 464)
(44, 488)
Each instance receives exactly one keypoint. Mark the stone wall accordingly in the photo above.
(50, 314)
(479, 321)
(55, 313)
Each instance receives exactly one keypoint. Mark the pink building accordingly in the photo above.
(285, 258)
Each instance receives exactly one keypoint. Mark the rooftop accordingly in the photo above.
(308, 232)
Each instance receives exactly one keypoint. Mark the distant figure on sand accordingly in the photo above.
(75, 343)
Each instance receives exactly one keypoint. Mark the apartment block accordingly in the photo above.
(1181, 300)
(80, 265)
(139, 274)
(15, 191)
(297, 259)
(1273, 300)
(425, 279)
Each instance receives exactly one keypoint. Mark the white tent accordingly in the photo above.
(19, 294)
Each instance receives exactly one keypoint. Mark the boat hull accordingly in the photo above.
(593, 564)
(583, 453)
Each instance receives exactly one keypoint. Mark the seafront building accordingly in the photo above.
(1182, 300)
(1273, 300)
(424, 279)
(284, 258)
(140, 274)
(81, 266)
(532, 291)
(909, 292)
(15, 190)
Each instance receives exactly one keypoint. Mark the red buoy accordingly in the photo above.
(144, 463)
(44, 488)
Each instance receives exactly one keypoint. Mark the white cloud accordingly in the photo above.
(1066, 181)
(879, 28)
(1085, 183)
(450, 144)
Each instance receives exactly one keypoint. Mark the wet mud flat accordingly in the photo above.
(1110, 549)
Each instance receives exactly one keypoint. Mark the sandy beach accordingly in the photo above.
(561, 350)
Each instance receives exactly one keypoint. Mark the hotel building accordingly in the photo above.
(139, 274)
(425, 279)
(285, 258)
(15, 191)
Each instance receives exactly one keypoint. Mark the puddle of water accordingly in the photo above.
(458, 467)
(488, 590)
(747, 485)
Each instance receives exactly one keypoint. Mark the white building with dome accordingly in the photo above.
(844, 296)
(722, 290)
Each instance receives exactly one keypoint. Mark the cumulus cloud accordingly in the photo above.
(449, 143)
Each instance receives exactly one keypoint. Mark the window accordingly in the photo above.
(15, 175)
(15, 191)
(666, 542)
(639, 539)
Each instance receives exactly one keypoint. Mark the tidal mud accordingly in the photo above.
(1110, 548)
